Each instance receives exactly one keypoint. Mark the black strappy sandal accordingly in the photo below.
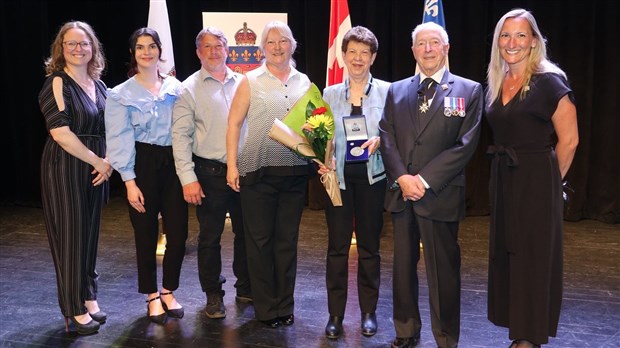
(174, 313)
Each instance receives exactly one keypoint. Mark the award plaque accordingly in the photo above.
(356, 134)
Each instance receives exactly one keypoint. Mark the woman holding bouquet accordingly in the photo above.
(362, 185)
(271, 178)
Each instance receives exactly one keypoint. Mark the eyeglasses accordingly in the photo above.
(71, 45)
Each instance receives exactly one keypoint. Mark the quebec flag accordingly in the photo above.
(433, 12)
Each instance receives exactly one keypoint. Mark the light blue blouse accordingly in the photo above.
(372, 107)
(132, 113)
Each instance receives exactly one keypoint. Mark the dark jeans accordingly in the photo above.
(211, 215)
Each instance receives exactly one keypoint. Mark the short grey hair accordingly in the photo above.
(211, 31)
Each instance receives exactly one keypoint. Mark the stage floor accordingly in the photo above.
(29, 314)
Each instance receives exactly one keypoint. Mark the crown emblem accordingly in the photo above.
(245, 36)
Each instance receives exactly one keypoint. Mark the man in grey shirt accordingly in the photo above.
(200, 120)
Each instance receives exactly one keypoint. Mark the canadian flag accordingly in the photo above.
(339, 24)
(158, 20)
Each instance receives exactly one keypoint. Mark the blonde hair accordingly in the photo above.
(56, 61)
(537, 61)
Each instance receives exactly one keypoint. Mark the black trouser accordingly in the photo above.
(272, 209)
(362, 210)
(211, 215)
(157, 179)
(442, 258)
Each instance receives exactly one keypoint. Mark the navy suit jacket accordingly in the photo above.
(430, 144)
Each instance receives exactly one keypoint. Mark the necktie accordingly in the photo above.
(425, 93)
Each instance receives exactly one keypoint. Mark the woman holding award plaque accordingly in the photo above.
(270, 177)
(357, 105)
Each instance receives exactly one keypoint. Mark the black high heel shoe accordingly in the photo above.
(99, 317)
(157, 319)
(174, 313)
(82, 329)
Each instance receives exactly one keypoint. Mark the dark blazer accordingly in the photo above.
(431, 144)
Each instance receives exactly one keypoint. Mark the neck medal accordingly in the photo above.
(424, 106)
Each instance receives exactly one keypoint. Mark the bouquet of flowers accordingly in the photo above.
(308, 130)
(318, 129)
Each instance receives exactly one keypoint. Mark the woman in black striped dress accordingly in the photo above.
(74, 169)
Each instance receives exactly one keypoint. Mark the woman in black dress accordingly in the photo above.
(74, 169)
(531, 111)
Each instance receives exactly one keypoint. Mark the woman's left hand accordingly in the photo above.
(323, 169)
(372, 144)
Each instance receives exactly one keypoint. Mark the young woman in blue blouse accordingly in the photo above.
(138, 119)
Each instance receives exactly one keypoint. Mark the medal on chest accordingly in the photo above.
(424, 106)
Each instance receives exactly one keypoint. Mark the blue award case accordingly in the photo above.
(356, 134)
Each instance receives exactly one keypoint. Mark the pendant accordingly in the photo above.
(424, 107)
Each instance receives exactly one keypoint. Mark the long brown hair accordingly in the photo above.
(56, 61)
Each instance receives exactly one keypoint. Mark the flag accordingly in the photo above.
(339, 24)
(433, 12)
(158, 20)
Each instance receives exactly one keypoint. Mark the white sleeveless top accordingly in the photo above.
(269, 99)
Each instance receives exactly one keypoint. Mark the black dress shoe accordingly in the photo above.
(287, 320)
(333, 329)
(406, 342)
(369, 324)
(272, 323)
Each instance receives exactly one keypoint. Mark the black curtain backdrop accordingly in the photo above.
(581, 38)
